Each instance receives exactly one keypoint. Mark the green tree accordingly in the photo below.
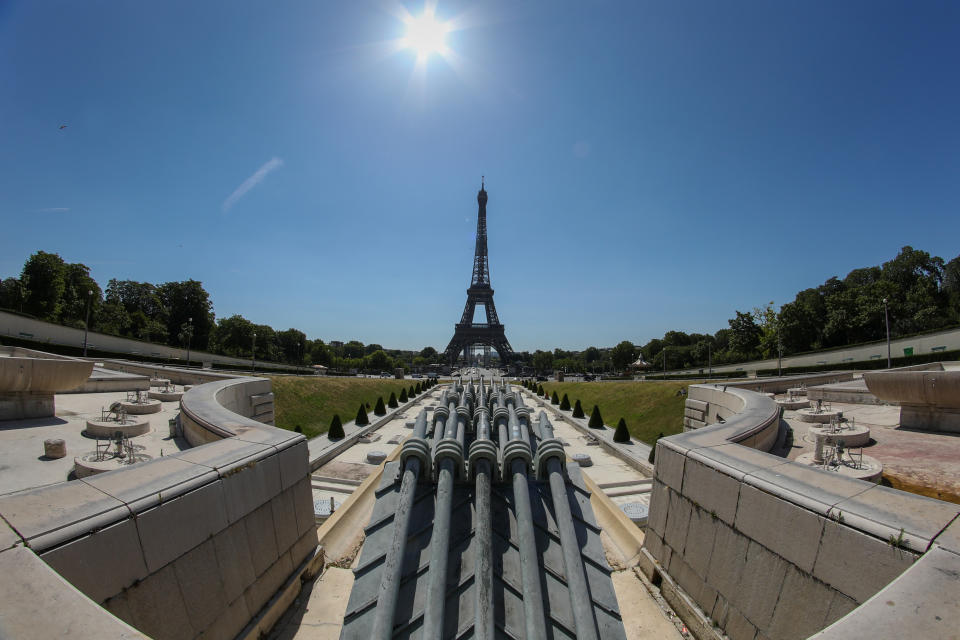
(539, 389)
(11, 294)
(596, 420)
(621, 434)
(418, 388)
(429, 354)
(336, 428)
(565, 403)
(79, 291)
(43, 284)
(577, 409)
(187, 303)
(362, 418)
(353, 349)
(623, 354)
(554, 399)
(234, 336)
(392, 402)
(403, 395)
(542, 361)
(744, 334)
(380, 361)
(379, 409)
(293, 345)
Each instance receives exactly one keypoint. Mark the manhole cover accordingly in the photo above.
(636, 511)
(321, 507)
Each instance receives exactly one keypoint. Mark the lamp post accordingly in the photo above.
(709, 363)
(86, 324)
(886, 318)
(779, 351)
(253, 354)
(189, 338)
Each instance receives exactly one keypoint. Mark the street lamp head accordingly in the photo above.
(884, 301)
(90, 292)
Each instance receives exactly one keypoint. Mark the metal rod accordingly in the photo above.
(484, 623)
(580, 602)
(389, 589)
(533, 616)
(439, 553)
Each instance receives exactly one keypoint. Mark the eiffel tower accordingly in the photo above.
(467, 333)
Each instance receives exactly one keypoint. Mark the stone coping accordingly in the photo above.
(47, 374)
(938, 388)
(48, 517)
(919, 524)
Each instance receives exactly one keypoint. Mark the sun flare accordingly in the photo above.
(426, 35)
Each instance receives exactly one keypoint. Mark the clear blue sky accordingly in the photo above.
(650, 166)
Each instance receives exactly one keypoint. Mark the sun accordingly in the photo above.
(426, 35)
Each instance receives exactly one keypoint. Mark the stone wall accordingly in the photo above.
(767, 548)
(189, 545)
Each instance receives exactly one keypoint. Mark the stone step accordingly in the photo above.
(626, 483)
(334, 479)
(627, 491)
(332, 488)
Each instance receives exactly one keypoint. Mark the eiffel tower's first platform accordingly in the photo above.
(468, 333)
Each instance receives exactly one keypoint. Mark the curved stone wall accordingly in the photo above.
(192, 544)
(769, 548)
(929, 399)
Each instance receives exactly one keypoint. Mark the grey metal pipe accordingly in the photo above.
(440, 537)
(580, 602)
(484, 621)
(533, 615)
(389, 588)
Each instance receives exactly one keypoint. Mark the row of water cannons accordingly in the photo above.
(504, 446)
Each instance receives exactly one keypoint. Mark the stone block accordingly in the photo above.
(102, 564)
(303, 548)
(841, 606)
(736, 460)
(678, 520)
(738, 627)
(233, 557)
(790, 530)
(949, 538)
(882, 512)
(763, 576)
(157, 607)
(38, 603)
(148, 484)
(727, 561)
(8, 537)
(808, 487)
(230, 623)
(668, 468)
(248, 486)
(659, 504)
(303, 506)
(856, 564)
(201, 585)
(699, 544)
(284, 520)
(260, 592)
(684, 576)
(721, 609)
(652, 543)
(262, 538)
(175, 527)
(715, 492)
(48, 516)
(294, 465)
(698, 405)
(802, 608)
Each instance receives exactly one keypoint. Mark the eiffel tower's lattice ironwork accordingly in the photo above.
(467, 333)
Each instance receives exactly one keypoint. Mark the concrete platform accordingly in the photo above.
(851, 392)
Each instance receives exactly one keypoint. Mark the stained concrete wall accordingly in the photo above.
(189, 545)
(768, 548)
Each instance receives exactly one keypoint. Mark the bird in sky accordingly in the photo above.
(62, 127)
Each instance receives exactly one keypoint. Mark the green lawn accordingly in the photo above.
(649, 408)
(310, 403)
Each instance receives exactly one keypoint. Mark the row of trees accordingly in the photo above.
(922, 293)
(178, 314)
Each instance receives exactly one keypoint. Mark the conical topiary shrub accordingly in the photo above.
(418, 388)
(392, 402)
(539, 389)
(336, 428)
(554, 399)
(361, 416)
(621, 434)
(379, 410)
(653, 449)
(411, 392)
(577, 409)
(403, 395)
(565, 403)
(596, 420)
